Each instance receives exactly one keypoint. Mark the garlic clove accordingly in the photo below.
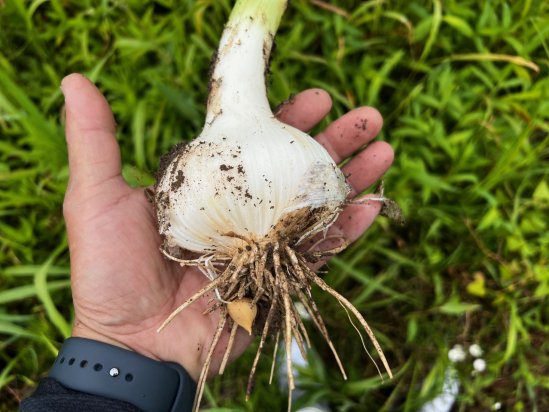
(243, 312)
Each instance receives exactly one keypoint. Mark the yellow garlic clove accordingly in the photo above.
(243, 312)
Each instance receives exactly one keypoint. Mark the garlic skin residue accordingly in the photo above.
(243, 312)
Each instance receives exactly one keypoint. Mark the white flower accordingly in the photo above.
(479, 365)
(496, 406)
(475, 350)
(456, 354)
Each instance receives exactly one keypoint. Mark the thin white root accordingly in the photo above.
(219, 298)
(319, 323)
(332, 251)
(360, 318)
(322, 240)
(301, 332)
(321, 226)
(229, 348)
(204, 373)
(289, 399)
(193, 298)
(300, 325)
(367, 199)
(361, 340)
(288, 342)
(260, 347)
(287, 317)
(191, 262)
(235, 267)
(274, 358)
(378, 198)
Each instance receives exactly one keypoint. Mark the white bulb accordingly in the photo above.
(240, 179)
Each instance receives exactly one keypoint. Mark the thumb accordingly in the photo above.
(94, 155)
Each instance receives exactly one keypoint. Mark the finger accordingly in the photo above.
(362, 171)
(365, 168)
(305, 110)
(350, 132)
(94, 155)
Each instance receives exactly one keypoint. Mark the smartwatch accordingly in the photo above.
(98, 368)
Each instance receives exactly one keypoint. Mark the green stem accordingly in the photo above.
(269, 12)
(238, 80)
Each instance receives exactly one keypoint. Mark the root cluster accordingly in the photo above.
(273, 275)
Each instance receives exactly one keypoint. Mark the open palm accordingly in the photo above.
(123, 287)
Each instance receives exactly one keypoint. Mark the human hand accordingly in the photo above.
(123, 287)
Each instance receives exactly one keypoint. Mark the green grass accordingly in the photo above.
(464, 90)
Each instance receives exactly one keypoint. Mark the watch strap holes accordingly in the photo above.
(101, 369)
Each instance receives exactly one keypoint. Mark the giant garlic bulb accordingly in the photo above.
(248, 191)
(248, 177)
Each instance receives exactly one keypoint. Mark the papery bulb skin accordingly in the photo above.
(242, 179)
(247, 171)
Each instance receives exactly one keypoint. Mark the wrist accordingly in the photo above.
(141, 345)
(79, 330)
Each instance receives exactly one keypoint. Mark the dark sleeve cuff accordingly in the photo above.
(51, 396)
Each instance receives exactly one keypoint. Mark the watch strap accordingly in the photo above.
(98, 368)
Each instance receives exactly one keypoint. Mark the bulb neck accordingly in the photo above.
(237, 84)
